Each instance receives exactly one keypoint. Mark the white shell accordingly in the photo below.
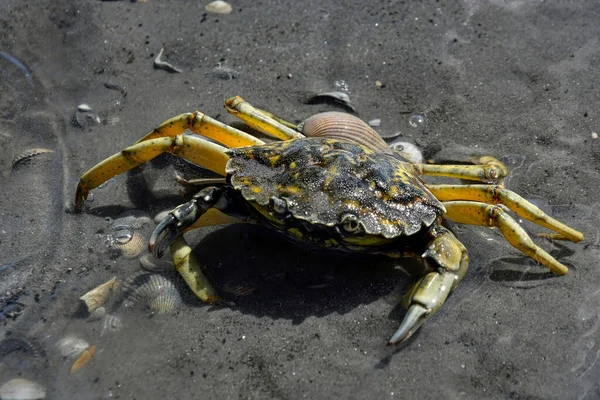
(22, 389)
(71, 346)
(218, 7)
(158, 292)
(408, 150)
(110, 324)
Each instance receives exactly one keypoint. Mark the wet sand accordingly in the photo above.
(514, 79)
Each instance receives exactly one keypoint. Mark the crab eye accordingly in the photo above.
(350, 223)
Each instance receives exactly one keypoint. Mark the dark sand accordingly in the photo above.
(514, 79)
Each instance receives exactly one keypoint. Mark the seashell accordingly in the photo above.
(128, 242)
(374, 122)
(337, 125)
(223, 72)
(99, 295)
(159, 63)
(335, 98)
(97, 315)
(71, 346)
(134, 219)
(218, 7)
(28, 155)
(84, 108)
(152, 264)
(83, 359)
(110, 324)
(22, 389)
(158, 292)
(408, 151)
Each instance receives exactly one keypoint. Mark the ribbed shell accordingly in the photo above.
(322, 180)
(346, 127)
(158, 292)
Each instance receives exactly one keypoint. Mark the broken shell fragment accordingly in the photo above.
(22, 389)
(27, 155)
(110, 324)
(340, 99)
(100, 295)
(218, 7)
(338, 125)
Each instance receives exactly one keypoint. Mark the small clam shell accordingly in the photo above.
(71, 346)
(111, 323)
(22, 389)
(408, 151)
(158, 292)
(97, 315)
(84, 107)
(336, 98)
(128, 242)
(218, 7)
(337, 125)
(99, 295)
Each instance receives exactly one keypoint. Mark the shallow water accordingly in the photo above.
(512, 79)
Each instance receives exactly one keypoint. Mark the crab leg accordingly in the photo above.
(194, 149)
(260, 120)
(495, 194)
(205, 126)
(487, 169)
(476, 213)
(427, 295)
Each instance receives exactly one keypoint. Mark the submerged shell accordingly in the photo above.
(71, 346)
(99, 295)
(22, 389)
(128, 242)
(110, 324)
(157, 292)
(322, 181)
(27, 155)
(218, 7)
(342, 126)
(408, 151)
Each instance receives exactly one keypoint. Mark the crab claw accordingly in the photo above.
(174, 224)
(423, 300)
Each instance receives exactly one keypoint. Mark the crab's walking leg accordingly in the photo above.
(475, 213)
(495, 194)
(169, 232)
(205, 126)
(197, 150)
(487, 169)
(450, 262)
(261, 121)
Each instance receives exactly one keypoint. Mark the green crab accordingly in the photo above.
(336, 185)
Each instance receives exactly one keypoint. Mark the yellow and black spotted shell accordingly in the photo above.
(323, 180)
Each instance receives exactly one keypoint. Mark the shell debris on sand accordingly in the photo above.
(218, 7)
(99, 295)
(71, 346)
(159, 63)
(110, 324)
(157, 292)
(22, 389)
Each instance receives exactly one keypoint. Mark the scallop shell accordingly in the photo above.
(158, 292)
(71, 346)
(338, 125)
(28, 155)
(110, 324)
(218, 7)
(99, 295)
(22, 389)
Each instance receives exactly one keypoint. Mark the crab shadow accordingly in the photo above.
(259, 272)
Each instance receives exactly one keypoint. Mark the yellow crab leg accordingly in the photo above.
(205, 126)
(488, 169)
(259, 120)
(188, 267)
(496, 194)
(450, 263)
(194, 149)
(476, 213)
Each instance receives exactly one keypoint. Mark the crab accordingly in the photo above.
(333, 190)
